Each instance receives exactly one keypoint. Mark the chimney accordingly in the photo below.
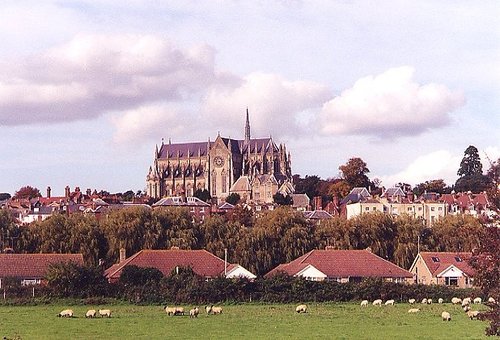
(318, 202)
(123, 254)
(48, 192)
(67, 191)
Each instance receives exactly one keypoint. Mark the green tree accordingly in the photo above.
(281, 199)
(471, 163)
(27, 192)
(202, 194)
(4, 196)
(233, 198)
(474, 183)
(307, 185)
(354, 172)
(494, 176)
(435, 185)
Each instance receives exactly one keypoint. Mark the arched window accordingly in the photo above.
(224, 182)
(214, 184)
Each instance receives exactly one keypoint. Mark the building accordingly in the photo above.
(197, 208)
(255, 168)
(201, 262)
(31, 268)
(342, 266)
(443, 268)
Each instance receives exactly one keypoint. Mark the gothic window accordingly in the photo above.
(214, 184)
(224, 182)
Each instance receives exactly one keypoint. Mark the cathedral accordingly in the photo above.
(254, 168)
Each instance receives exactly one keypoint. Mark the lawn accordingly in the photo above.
(323, 321)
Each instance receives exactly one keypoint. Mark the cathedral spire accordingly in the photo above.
(247, 129)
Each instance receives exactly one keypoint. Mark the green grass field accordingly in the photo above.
(323, 321)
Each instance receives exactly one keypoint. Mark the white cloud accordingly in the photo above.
(388, 105)
(93, 74)
(440, 164)
(149, 122)
(275, 104)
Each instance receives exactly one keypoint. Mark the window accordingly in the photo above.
(214, 184)
(224, 184)
(451, 281)
(440, 208)
(374, 209)
(410, 208)
(435, 259)
(367, 208)
(432, 208)
(419, 208)
(458, 259)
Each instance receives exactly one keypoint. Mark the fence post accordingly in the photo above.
(33, 291)
(4, 294)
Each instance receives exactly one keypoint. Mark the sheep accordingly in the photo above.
(414, 310)
(411, 301)
(364, 303)
(389, 302)
(477, 300)
(105, 313)
(208, 309)
(440, 300)
(491, 300)
(218, 310)
(301, 309)
(467, 301)
(424, 301)
(446, 316)
(179, 311)
(472, 314)
(91, 313)
(377, 302)
(466, 308)
(429, 301)
(456, 301)
(193, 313)
(67, 313)
(170, 310)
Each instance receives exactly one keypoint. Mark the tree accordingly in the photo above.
(435, 185)
(4, 196)
(494, 176)
(354, 172)
(233, 198)
(339, 188)
(474, 183)
(471, 163)
(281, 199)
(202, 194)
(486, 263)
(27, 192)
(308, 185)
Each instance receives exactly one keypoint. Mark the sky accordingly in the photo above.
(89, 88)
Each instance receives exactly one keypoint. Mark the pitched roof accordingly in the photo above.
(202, 262)
(300, 200)
(241, 184)
(439, 261)
(343, 263)
(178, 201)
(317, 215)
(32, 265)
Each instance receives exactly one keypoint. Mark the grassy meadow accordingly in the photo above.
(279, 321)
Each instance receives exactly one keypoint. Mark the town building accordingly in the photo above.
(255, 168)
(443, 268)
(197, 208)
(342, 266)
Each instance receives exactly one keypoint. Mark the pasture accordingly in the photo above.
(277, 321)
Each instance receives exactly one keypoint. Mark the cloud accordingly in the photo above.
(388, 105)
(440, 164)
(276, 105)
(93, 74)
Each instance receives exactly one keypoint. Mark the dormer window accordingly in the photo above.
(435, 259)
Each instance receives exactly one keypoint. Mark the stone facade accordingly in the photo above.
(183, 168)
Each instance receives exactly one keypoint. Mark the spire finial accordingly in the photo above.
(247, 129)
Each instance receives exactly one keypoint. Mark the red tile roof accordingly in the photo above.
(343, 263)
(446, 259)
(202, 262)
(32, 265)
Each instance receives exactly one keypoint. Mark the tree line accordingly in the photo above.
(258, 243)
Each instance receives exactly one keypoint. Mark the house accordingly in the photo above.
(364, 206)
(198, 209)
(443, 268)
(342, 266)
(31, 268)
(300, 202)
(316, 216)
(202, 262)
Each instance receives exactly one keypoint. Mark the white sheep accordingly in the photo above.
(208, 309)
(473, 314)
(456, 301)
(478, 300)
(91, 313)
(105, 313)
(193, 313)
(466, 308)
(440, 300)
(170, 310)
(218, 310)
(429, 301)
(377, 302)
(424, 301)
(467, 301)
(67, 313)
(301, 309)
(491, 300)
(414, 310)
(389, 303)
(411, 301)
(364, 303)
(446, 316)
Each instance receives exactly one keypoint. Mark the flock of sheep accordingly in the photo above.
(91, 313)
(446, 316)
(193, 313)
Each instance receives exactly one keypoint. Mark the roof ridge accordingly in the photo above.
(306, 255)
